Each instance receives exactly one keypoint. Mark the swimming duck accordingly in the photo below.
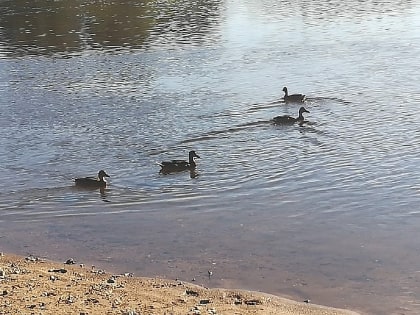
(92, 182)
(291, 120)
(297, 98)
(179, 165)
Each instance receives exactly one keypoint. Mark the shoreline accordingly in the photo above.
(41, 286)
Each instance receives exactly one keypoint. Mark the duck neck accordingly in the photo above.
(300, 116)
(286, 94)
(191, 161)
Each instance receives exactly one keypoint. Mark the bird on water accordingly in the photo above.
(289, 119)
(296, 98)
(92, 182)
(179, 165)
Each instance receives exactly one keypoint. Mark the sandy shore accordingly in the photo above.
(30, 285)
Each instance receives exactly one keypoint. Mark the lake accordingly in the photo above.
(327, 210)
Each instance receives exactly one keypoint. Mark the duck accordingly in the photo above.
(92, 182)
(296, 98)
(291, 120)
(179, 165)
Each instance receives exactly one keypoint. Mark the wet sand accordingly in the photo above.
(34, 285)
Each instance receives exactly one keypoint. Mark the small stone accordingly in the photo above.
(2, 274)
(116, 303)
(307, 301)
(98, 272)
(4, 292)
(204, 301)
(70, 299)
(111, 280)
(191, 292)
(70, 261)
(61, 270)
(48, 294)
(32, 258)
(92, 300)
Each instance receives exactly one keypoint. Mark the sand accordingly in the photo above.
(31, 285)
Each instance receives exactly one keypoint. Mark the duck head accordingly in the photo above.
(303, 110)
(102, 174)
(192, 154)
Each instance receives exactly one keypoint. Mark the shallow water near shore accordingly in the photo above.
(326, 211)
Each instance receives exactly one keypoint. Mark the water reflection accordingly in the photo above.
(332, 9)
(68, 27)
(194, 173)
(102, 191)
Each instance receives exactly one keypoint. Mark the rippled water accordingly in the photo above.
(327, 210)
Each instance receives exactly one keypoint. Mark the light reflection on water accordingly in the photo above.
(332, 203)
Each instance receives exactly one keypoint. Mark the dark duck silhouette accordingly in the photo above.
(179, 165)
(289, 119)
(296, 98)
(92, 182)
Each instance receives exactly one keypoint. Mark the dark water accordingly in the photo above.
(327, 211)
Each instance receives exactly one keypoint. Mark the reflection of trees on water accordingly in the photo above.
(51, 27)
(30, 27)
(188, 24)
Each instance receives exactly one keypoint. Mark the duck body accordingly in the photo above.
(92, 182)
(294, 98)
(289, 119)
(179, 165)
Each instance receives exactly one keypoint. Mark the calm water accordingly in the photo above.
(327, 211)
